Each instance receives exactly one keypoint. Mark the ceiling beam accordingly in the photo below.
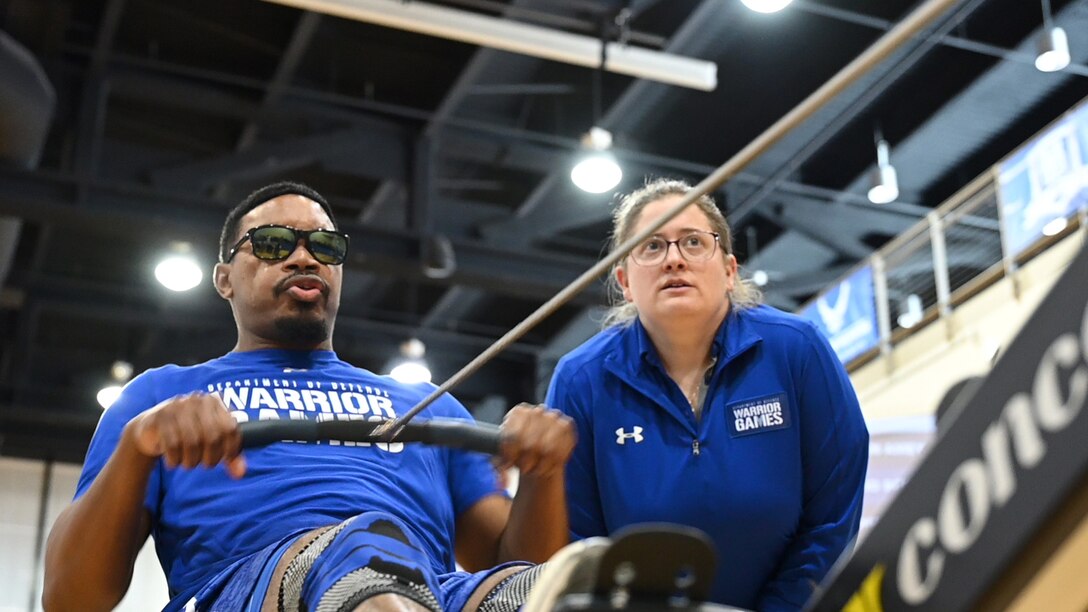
(956, 42)
(807, 282)
(376, 152)
(166, 84)
(836, 226)
(455, 303)
(486, 66)
(810, 137)
(51, 198)
(536, 217)
(95, 93)
(284, 73)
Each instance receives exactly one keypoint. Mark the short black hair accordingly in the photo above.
(260, 196)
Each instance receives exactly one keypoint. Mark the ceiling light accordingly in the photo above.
(411, 372)
(1052, 43)
(766, 6)
(597, 171)
(1053, 47)
(411, 369)
(760, 278)
(910, 311)
(438, 260)
(108, 395)
(885, 182)
(885, 187)
(179, 271)
(413, 348)
(1055, 226)
(120, 372)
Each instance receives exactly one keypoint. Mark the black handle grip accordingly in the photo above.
(448, 433)
(263, 433)
(457, 434)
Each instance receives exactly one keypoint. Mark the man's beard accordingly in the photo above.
(301, 331)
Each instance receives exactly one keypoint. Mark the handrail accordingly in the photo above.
(952, 232)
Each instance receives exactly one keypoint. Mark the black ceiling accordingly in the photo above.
(167, 113)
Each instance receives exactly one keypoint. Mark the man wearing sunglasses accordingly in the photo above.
(297, 526)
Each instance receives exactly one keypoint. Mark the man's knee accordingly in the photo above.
(362, 559)
(366, 584)
(505, 591)
(389, 602)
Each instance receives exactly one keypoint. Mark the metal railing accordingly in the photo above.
(956, 251)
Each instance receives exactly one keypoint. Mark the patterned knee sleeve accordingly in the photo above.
(509, 594)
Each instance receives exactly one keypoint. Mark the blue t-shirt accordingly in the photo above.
(773, 471)
(203, 520)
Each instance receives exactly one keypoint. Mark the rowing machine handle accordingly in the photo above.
(451, 433)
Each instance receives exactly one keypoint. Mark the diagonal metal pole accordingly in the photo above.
(911, 26)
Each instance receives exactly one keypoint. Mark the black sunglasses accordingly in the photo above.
(277, 242)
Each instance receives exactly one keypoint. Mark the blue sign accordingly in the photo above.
(847, 315)
(1045, 182)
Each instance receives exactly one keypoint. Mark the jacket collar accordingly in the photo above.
(734, 336)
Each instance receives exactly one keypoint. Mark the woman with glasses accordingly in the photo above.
(697, 405)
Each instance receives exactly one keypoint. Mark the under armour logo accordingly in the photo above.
(622, 436)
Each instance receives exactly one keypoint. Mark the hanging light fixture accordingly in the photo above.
(597, 171)
(438, 257)
(1053, 44)
(1053, 50)
(179, 271)
(885, 183)
(766, 6)
(910, 311)
(411, 369)
(1055, 226)
(120, 372)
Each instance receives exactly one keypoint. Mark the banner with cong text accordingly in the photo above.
(1011, 463)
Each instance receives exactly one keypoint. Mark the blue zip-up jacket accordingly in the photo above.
(773, 471)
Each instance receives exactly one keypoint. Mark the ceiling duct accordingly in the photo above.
(26, 108)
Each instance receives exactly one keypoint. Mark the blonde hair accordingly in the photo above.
(744, 293)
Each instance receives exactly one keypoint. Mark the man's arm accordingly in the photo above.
(570, 393)
(538, 441)
(538, 525)
(93, 545)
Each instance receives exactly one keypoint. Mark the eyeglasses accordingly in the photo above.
(277, 242)
(695, 246)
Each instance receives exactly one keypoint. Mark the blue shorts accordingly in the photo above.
(373, 540)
